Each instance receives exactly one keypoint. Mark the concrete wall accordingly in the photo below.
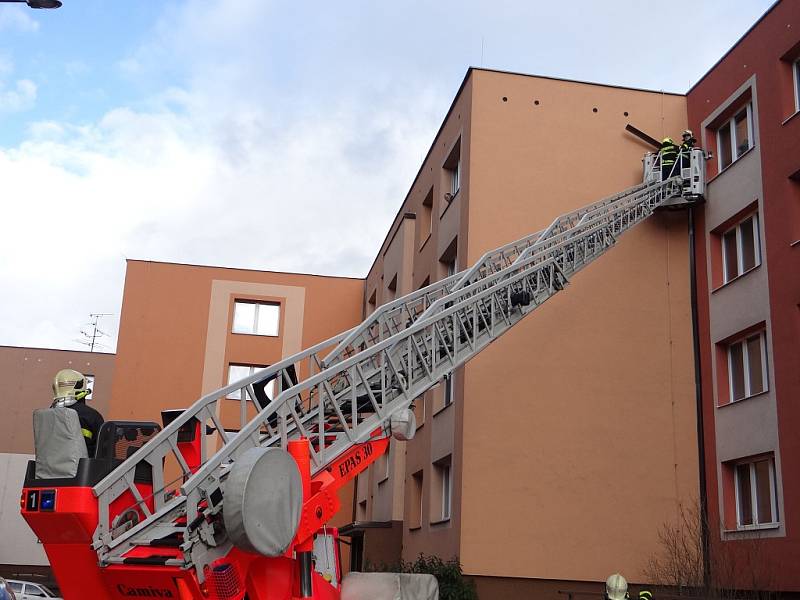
(28, 374)
(18, 544)
(577, 428)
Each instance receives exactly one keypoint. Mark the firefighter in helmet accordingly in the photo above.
(668, 154)
(616, 588)
(687, 143)
(70, 390)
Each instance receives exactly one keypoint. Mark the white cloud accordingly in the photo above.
(21, 97)
(267, 138)
(17, 18)
(313, 194)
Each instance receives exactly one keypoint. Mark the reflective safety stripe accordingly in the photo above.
(86, 433)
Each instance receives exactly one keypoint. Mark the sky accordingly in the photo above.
(263, 134)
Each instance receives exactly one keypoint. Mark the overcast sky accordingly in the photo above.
(263, 134)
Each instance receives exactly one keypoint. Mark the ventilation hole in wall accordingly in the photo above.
(505, 99)
(625, 113)
(536, 102)
(594, 109)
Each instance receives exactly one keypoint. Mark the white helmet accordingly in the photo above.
(687, 133)
(616, 587)
(69, 386)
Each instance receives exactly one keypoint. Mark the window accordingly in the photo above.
(452, 173)
(447, 488)
(90, 385)
(455, 178)
(391, 290)
(256, 318)
(747, 367)
(239, 372)
(735, 137)
(361, 511)
(449, 389)
(741, 248)
(415, 499)
(796, 72)
(756, 502)
(426, 219)
(15, 587)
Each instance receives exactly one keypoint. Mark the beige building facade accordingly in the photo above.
(555, 455)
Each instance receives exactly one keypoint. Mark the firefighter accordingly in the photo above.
(616, 587)
(686, 148)
(70, 390)
(667, 154)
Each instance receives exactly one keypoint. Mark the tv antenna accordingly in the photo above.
(91, 332)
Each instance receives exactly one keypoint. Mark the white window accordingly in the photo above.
(747, 366)
(796, 71)
(756, 502)
(449, 389)
(452, 172)
(447, 488)
(256, 318)
(15, 586)
(239, 372)
(741, 248)
(90, 385)
(735, 137)
(415, 507)
(455, 178)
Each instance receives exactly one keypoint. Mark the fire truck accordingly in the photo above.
(189, 509)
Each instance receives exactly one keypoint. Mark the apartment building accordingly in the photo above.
(27, 375)
(187, 330)
(576, 430)
(746, 111)
(554, 457)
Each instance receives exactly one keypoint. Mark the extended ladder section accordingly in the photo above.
(345, 390)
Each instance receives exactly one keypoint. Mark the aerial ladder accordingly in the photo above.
(193, 510)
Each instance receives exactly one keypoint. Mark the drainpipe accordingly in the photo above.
(698, 390)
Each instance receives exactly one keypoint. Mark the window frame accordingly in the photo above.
(447, 490)
(796, 77)
(449, 392)
(254, 328)
(762, 336)
(455, 178)
(269, 389)
(731, 123)
(740, 271)
(751, 463)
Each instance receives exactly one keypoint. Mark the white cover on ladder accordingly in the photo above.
(58, 442)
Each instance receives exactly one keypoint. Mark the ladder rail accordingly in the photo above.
(450, 305)
(392, 372)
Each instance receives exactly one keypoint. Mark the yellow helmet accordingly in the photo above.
(667, 140)
(69, 386)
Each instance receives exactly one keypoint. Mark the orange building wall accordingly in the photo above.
(578, 433)
(175, 340)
